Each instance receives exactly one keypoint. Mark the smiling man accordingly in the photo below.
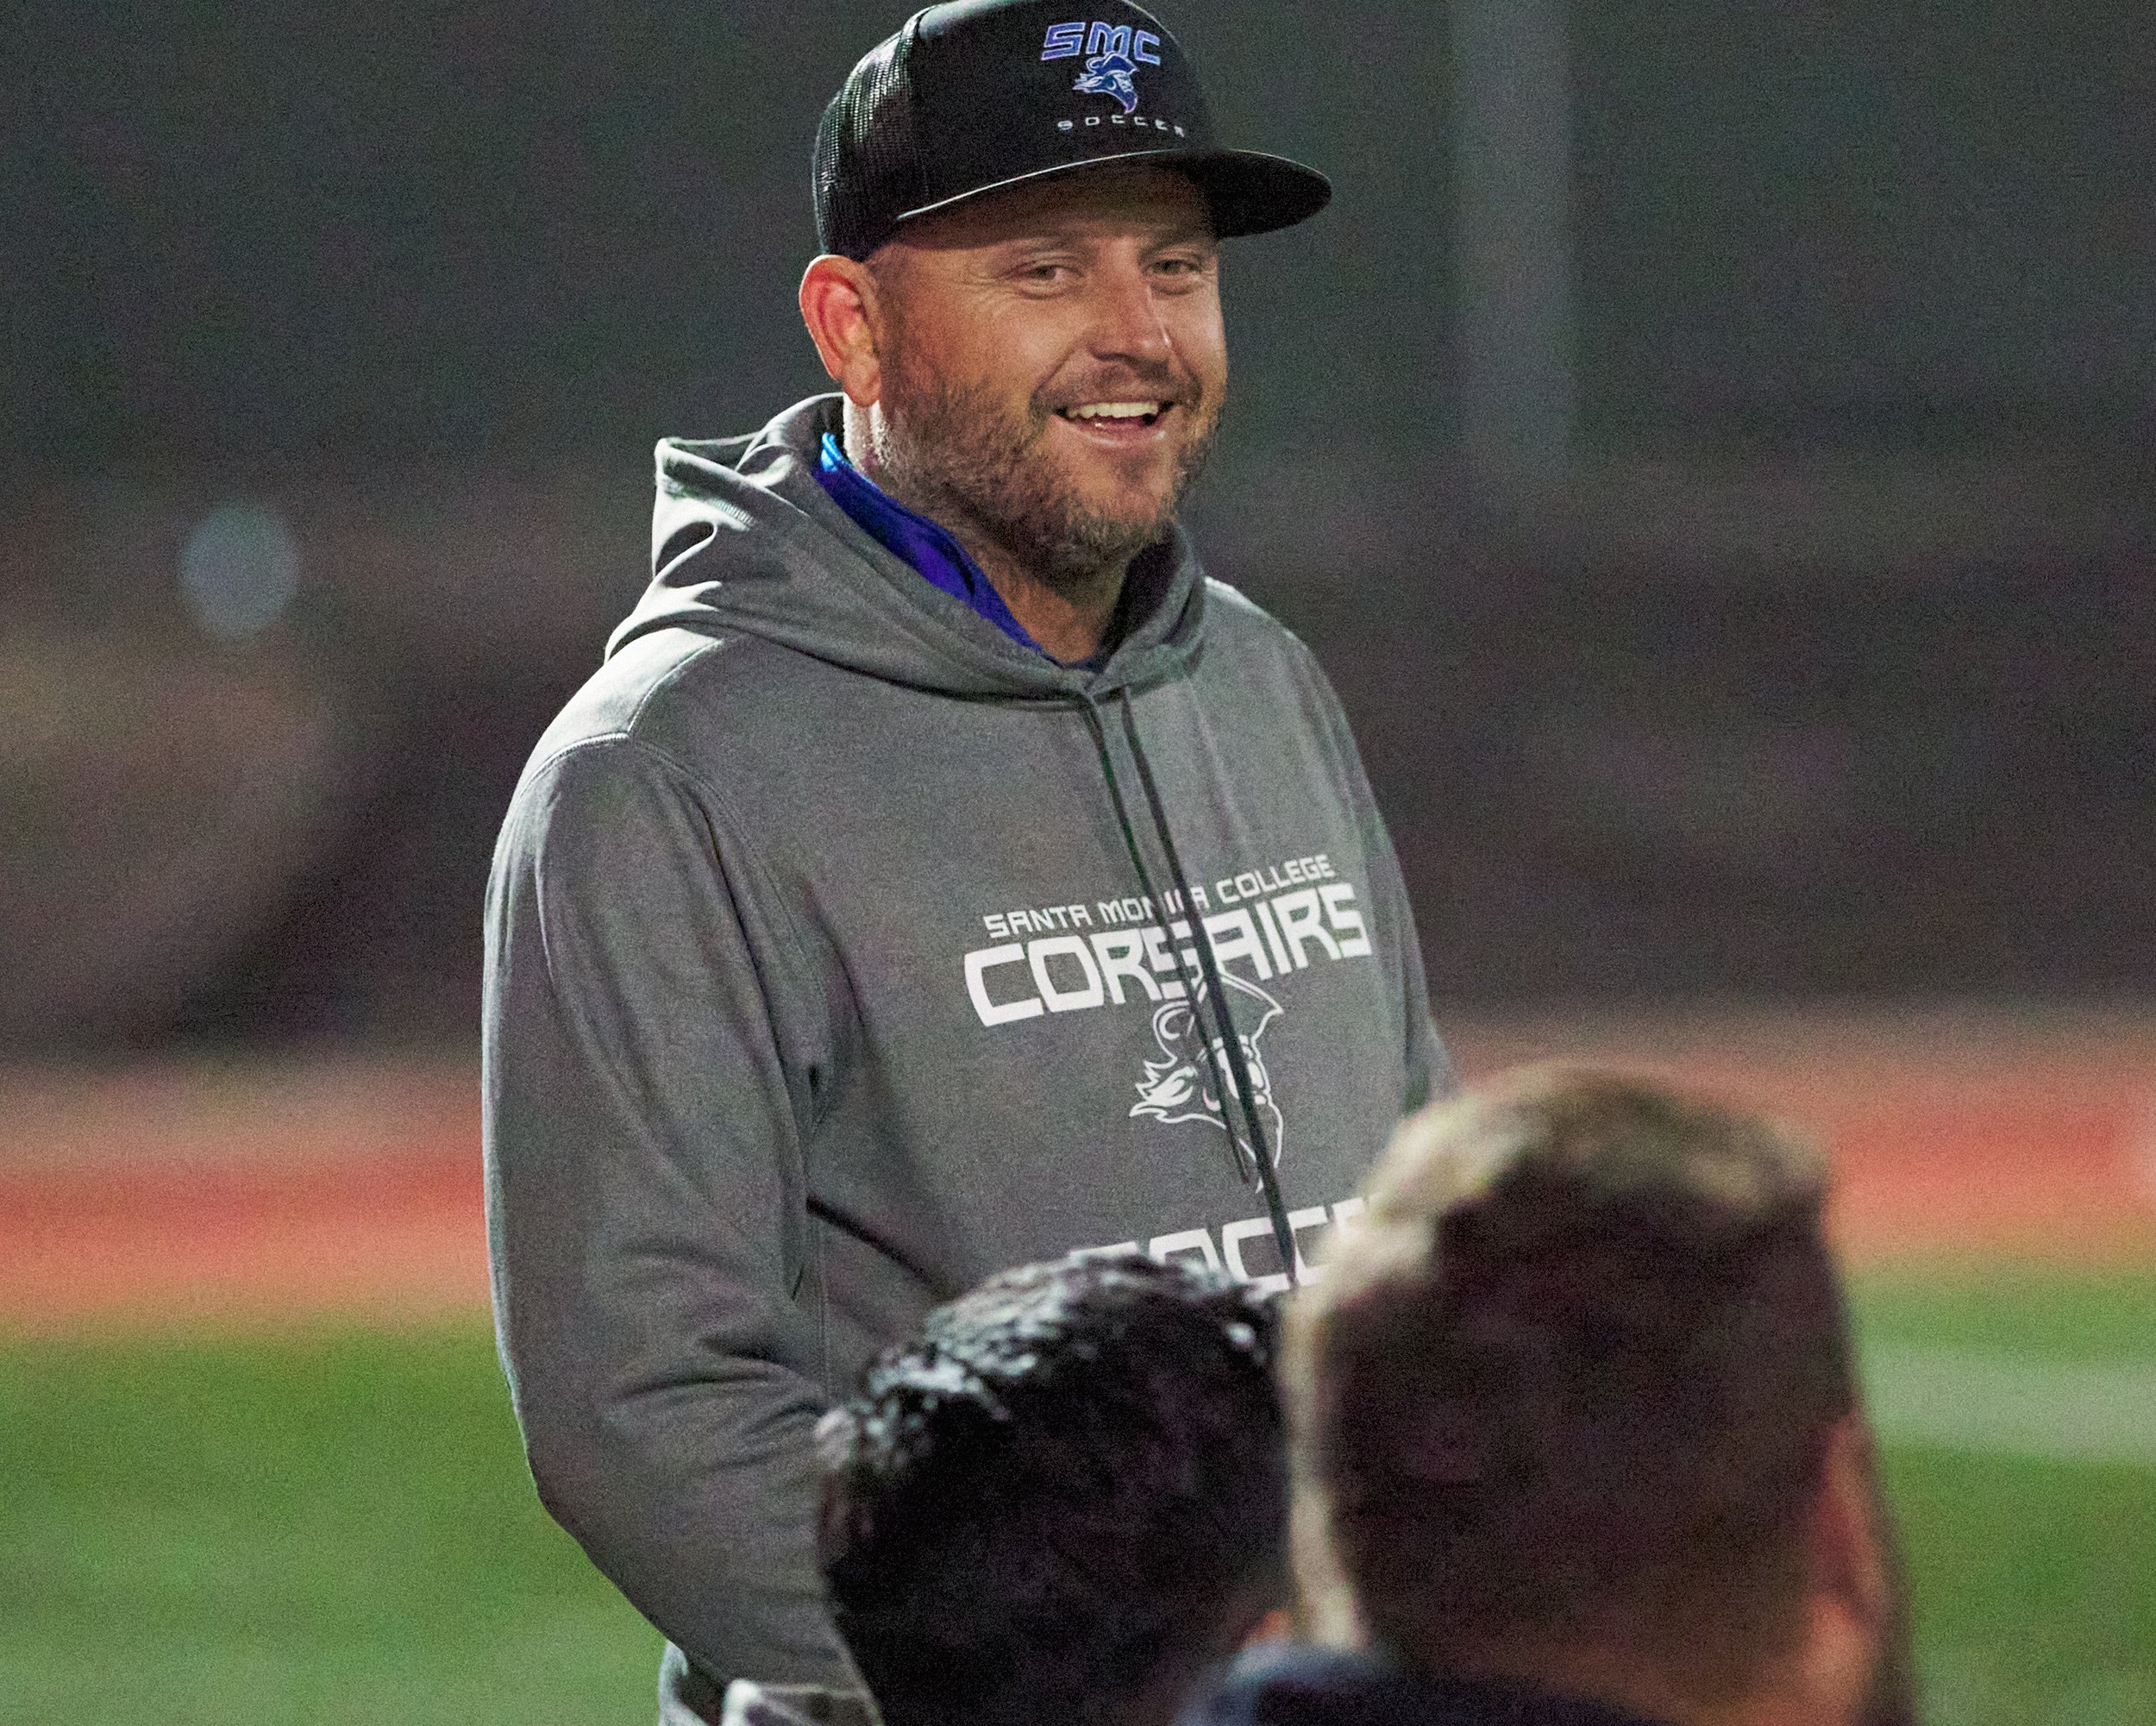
(1039, 369)
(941, 873)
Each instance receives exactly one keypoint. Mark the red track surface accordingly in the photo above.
(251, 1195)
(183, 1196)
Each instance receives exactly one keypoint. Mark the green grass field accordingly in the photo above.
(337, 1527)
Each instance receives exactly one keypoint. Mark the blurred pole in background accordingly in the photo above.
(1511, 92)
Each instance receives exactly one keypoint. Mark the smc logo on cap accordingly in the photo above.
(1115, 53)
(1068, 41)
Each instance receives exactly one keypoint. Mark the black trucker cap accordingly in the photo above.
(976, 95)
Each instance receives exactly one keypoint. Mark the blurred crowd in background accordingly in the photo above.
(1709, 449)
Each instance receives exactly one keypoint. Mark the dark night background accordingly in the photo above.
(1808, 655)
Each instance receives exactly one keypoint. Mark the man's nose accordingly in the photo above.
(1127, 322)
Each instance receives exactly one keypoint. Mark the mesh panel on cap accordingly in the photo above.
(866, 167)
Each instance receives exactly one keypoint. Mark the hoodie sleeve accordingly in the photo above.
(1430, 1072)
(1429, 1064)
(645, 1110)
(1429, 1067)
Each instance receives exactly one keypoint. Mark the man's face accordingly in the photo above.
(1053, 363)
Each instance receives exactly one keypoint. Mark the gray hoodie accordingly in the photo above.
(835, 960)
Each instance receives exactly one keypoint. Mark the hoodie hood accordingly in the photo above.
(744, 539)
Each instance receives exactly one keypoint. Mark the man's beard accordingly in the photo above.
(951, 449)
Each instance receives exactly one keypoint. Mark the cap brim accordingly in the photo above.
(1248, 191)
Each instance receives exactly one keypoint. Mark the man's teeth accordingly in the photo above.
(1115, 410)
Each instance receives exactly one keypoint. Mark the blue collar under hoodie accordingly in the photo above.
(927, 545)
(842, 950)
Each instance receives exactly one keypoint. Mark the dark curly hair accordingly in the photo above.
(1067, 1494)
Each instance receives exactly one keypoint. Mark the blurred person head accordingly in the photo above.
(1577, 1411)
(1063, 1501)
(1019, 288)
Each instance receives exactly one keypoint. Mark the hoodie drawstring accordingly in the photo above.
(1212, 1054)
(1224, 1037)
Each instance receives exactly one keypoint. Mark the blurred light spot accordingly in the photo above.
(238, 570)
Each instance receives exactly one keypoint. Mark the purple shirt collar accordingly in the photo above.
(915, 540)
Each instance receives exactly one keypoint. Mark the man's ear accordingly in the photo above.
(1850, 1608)
(838, 304)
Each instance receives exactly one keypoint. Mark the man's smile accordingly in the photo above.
(1147, 411)
(1118, 424)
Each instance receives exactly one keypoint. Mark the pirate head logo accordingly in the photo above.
(1111, 75)
(1186, 1082)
